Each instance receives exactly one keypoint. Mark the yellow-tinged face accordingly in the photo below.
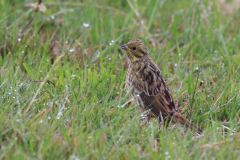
(135, 49)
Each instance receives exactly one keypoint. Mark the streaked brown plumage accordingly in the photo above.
(147, 84)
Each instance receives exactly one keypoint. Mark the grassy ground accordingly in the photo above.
(62, 90)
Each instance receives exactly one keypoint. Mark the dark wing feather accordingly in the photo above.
(154, 92)
(151, 103)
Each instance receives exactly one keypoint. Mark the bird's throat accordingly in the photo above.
(133, 59)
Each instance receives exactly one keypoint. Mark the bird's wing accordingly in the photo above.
(153, 91)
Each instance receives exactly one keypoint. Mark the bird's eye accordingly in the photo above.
(134, 48)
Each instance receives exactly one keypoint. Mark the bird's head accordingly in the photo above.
(135, 50)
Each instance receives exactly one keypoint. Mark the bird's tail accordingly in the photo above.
(184, 121)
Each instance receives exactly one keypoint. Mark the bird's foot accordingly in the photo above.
(145, 122)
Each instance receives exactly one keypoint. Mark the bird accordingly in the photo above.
(145, 82)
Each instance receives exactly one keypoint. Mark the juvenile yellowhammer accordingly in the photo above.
(146, 83)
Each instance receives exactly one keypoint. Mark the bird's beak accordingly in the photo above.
(124, 47)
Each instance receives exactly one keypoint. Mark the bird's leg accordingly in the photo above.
(162, 124)
(163, 121)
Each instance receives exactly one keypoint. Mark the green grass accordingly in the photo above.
(62, 90)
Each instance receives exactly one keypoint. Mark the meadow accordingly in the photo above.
(62, 74)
